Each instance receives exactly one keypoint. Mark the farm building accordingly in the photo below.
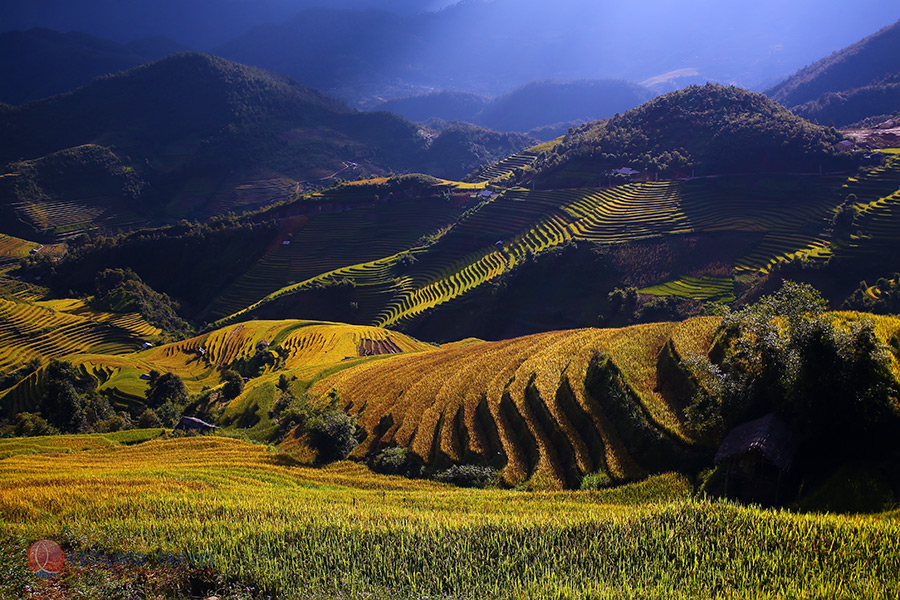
(194, 424)
(626, 171)
(843, 146)
(757, 455)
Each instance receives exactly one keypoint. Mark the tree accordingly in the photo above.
(333, 434)
(63, 404)
(165, 388)
(233, 384)
(828, 376)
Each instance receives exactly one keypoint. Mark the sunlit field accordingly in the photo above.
(256, 517)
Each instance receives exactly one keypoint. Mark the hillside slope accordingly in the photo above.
(863, 63)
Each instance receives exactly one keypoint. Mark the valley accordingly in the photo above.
(257, 343)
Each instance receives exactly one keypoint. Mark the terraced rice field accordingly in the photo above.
(32, 331)
(13, 248)
(696, 288)
(534, 406)
(200, 361)
(503, 169)
(334, 240)
(791, 215)
(878, 223)
(14, 289)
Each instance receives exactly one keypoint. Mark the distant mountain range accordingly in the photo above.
(200, 135)
(857, 82)
(544, 109)
(492, 47)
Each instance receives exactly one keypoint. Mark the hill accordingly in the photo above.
(534, 106)
(846, 108)
(859, 65)
(39, 63)
(204, 136)
(704, 130)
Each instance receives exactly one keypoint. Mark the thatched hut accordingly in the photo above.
(758, 455)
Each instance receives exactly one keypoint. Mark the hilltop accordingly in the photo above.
(704, 130)
(205, 135)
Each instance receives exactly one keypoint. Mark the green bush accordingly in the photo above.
(396, 461)
(333, 434)
(470, 476)
(596, 481)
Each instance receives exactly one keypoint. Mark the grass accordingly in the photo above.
(342, 531)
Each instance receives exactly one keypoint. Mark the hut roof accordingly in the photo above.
(194, 423)
(769, 435)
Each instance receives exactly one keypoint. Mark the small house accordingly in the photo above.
(627, 171)
(194, 424)
(757, 456)
(843, 146)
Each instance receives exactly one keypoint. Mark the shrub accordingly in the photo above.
(471, 476)
(596, 481)
(234, 384)
(333, 434)
(396, 461)
(165, 388)
(149, 419)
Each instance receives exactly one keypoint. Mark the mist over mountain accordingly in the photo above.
(493, 47)
(366, 50)
(535, 108)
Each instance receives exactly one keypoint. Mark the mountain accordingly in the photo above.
(207, 135)
(851, 106)
(860, 82)
(39, 62)
(543, 103)
(862, 64)
(533, 106)
(707, 130)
